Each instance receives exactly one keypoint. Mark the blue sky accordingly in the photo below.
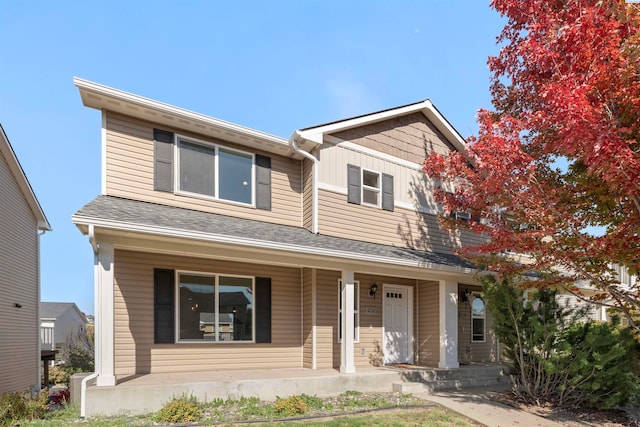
(274, 66)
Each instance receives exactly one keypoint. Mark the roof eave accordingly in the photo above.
(101, 97)
(426, 107)
(83, 222)
(21, 178)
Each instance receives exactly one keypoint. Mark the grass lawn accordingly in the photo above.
(348, 409)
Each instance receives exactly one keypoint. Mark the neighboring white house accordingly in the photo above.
(58, 320)
(21, 222)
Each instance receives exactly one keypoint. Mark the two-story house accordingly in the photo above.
(22, 221)
(60, 321)
(221, 247)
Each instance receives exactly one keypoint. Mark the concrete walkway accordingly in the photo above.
(476, 404)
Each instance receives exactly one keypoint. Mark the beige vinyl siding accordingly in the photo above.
(327, 319)
(427, 323)
(574, 303)
(19, 327)
(407, 137)
(307, 317)
(129, 164)
(468, 351)
(402, 227)
(368, 351)
(307, 194)
(135, 351)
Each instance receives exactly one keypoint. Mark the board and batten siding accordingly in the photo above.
(427, 338)
(402, 227)
(408, 137)
(19, 326)
(129, 174)
(411, 186)
(135, 351)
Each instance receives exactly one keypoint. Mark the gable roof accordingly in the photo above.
(316, 133)
(142, 217)
(53, 310)
(23, 182)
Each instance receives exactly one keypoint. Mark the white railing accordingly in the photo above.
(47, 338)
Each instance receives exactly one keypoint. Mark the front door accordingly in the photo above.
(397, 324)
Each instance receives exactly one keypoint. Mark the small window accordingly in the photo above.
(356, 311)
(477, 319)
(370, 188)
(215, 308)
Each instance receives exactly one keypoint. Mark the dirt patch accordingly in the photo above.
(579, 417)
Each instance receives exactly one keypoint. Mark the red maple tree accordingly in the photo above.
(560, 154)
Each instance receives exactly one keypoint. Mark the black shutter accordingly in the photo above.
(163, 306)
(263, 309)
(354, 179)
(387, 192)
(263, 182)
(163, 160)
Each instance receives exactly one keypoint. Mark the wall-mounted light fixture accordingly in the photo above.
(464, 296)
(373, 289)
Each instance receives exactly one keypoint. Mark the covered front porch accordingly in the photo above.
(146, 393)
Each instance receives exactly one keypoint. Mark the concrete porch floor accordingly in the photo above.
(147, 393)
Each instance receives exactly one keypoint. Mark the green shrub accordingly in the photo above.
(558, 357)
(78, 351)
(15, 407)
(180, 410)
(59, 375)
(293, 405)
(602, 364)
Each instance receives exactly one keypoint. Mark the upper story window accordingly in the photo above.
(370, 188)
(184, 165)
(215, 171)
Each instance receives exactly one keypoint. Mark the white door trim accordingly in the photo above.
(410, 344)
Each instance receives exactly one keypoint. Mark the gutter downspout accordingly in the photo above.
(314, 190)
(85, 380)
(35, 387)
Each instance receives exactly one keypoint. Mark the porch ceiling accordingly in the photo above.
(157, 228)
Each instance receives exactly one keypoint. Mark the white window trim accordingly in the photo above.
(484, 319)
(217, 304)
(216, 190)
(364, 187)
(356, 296)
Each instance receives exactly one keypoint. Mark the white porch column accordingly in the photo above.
(104, 323)
(448, 319)
(347, 360)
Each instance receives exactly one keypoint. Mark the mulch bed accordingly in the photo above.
(575, 417)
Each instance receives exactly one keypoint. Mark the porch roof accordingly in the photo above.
(136, 216)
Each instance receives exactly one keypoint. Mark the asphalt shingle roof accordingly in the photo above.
(114, 209)
(51, 310)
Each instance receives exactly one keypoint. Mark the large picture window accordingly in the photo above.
(215, 171)
(477, 319)
(215, 308)
(356, 311)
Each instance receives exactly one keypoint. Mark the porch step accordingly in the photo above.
(431, 380)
